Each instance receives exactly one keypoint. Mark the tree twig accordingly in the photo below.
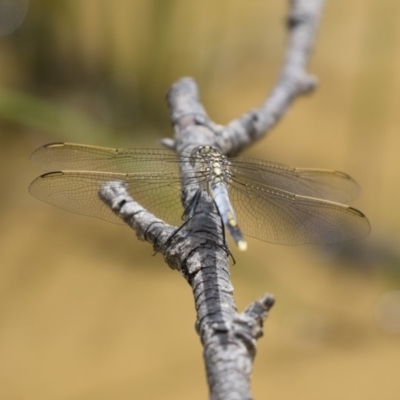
(294, 80)
(198, 251)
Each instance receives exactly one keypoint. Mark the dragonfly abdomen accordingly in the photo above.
(219, 193)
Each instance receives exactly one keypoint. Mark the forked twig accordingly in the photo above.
(198, 251)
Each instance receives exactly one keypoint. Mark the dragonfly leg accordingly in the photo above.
(186, 216)
(191, 208)
(170, 237)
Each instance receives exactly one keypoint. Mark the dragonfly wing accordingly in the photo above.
(319, 183)
(78, 192)
(276, 216)
(77, 157)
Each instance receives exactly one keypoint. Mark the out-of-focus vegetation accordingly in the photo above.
(86, 312)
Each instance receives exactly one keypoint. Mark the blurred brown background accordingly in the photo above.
(86, 312)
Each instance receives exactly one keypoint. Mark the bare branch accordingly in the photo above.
(302, 22)
(294, 81)
(145, 224)
(198, 250)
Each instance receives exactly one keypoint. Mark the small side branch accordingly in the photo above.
(302, 23)
(229, 351)
(294, 80)
(147, 226)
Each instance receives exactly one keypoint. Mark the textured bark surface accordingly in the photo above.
(198, 250)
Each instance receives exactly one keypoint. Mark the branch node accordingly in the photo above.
(168, 143)
(308, 84)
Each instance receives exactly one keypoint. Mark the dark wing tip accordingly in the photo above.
(367, 225)
(358, 212)
(50, 174)
(46, 146)
(33, 187)
(54, 144)
(343, 175)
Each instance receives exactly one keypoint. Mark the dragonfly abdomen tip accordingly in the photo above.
(242, 244)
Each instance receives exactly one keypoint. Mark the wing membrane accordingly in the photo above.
(76, 157)
(78, 192)
(277, 216)
(273, 203)
(319, 183)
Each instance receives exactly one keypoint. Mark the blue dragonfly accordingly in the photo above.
(268, 201)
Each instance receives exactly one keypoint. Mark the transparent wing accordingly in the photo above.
(325, 184)
(273, 203)
(76, 157)
(151, 176)
(277, 216)
(78, 192)
(319, 183)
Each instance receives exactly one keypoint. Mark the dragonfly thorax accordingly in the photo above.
(211, 166)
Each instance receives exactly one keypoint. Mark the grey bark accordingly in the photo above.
(198, 250)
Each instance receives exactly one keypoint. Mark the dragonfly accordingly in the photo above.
(260, 199)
